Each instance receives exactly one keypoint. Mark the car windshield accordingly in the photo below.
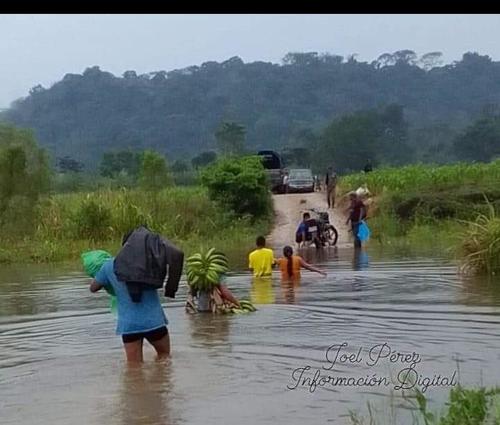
(301, 175)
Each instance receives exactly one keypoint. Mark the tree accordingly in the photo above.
(203, 159)
(67, 164)
(239, 184)
(36, 89)
(154, 173)
(385, 59)
(84, 116)
(130, 74)
(407, 57)
(24, 176)
(299, 157)
(430, 60)
(377, 134)
(230, 138)
(179, 166)
(480, 141)
(301, 59)
(121, 162)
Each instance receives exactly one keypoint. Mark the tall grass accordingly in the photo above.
(465, 406)
(480, 246)
(66, 224)
(427, 205)
(422, 177)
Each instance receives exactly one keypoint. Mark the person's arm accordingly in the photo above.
(95, 286)
(348, 211)
(310, 267)
(228, 295)
(364, 212)
(100, 281)
(175, 261)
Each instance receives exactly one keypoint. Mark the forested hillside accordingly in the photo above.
(288, 104)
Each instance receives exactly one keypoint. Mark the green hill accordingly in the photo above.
(177, 112)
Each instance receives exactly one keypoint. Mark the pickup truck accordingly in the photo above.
(273, 163)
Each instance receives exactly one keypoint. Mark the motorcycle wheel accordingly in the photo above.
(332, 235)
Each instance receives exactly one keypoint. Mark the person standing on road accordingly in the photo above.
(331, 186)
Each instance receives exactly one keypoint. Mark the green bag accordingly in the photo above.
(92, 263)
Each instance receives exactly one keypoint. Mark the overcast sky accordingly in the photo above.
(41, 49)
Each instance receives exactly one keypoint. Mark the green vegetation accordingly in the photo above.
(153, 174)
(480, 246)
(39, 225)
(472, 406)
(24, 177)
(239, 185)
(230, 137)
(177, 113)
(380, 135)
(451, 208)
(67, 224)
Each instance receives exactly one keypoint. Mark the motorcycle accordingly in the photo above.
(323, 233)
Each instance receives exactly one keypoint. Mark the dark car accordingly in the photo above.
(273, 163)
(300, 180)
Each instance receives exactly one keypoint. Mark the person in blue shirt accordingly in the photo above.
(302, 234)
(136, 320)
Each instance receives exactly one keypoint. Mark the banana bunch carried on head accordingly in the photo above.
(204, 269)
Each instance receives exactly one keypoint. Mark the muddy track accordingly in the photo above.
(288, 211)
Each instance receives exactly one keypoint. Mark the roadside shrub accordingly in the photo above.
(239, 184)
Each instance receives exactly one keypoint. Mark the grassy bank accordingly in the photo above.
(426, 206)
(64, 225)
(465, 406)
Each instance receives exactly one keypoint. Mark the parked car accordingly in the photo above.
(300, 180)
(273, 163)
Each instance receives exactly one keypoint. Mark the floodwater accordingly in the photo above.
(61, 363)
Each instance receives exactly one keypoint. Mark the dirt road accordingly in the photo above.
(289, 208)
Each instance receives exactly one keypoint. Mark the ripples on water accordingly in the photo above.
(61, 363)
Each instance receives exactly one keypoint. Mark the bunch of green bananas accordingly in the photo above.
(204, 269)
(246, 307)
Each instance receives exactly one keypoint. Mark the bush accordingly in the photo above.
(24, 177)
(480, 247)
(93, 220)
(240, 185)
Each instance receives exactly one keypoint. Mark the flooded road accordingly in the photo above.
(61, 363)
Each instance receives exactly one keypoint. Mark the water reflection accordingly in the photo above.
(479, 290)
(234, 368)
(145, 394)
(288, 288)
(262, 291)
(361, 260)
(209, 329)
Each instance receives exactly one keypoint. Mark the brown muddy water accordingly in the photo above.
(61, 363)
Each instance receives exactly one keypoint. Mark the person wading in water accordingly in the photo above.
(290, 265)
(357, 213)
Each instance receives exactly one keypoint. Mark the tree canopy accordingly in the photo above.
(178, 113)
